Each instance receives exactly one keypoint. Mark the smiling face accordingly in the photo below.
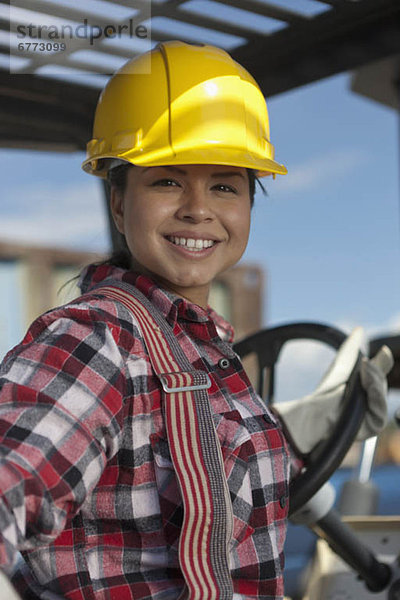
(184, 224)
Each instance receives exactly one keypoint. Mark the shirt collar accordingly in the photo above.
(172, 307)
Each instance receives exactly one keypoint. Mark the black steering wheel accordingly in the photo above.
(321, 463)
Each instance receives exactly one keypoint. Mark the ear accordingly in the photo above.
(117, 209)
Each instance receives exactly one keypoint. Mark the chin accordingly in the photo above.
(192, 281)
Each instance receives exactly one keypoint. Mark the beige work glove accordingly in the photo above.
(310, 419)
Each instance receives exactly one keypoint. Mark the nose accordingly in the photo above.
(194, 206)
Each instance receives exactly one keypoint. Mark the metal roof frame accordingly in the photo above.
(38, 111)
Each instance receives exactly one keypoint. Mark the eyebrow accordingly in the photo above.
(183, 172)
(228, 174)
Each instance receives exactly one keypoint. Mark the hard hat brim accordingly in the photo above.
(209, 156)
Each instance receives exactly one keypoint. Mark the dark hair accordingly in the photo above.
(117, 179)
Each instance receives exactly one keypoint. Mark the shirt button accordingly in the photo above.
(223, 363)
(282, 501)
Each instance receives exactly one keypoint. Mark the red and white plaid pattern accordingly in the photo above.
(88, 491)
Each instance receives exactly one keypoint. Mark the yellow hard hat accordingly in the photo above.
(182, 104)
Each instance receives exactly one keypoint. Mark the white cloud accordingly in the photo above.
(51, 215)
(313, 172)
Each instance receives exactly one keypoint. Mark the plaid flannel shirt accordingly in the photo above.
(88, 491)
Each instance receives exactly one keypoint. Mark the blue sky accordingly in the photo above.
(329, 230)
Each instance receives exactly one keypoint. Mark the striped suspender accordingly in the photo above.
(195, 452)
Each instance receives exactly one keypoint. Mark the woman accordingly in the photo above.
(91, 491)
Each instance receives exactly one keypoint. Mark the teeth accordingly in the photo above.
(190, 243)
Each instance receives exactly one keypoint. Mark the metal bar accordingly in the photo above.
(43, 90)
(367, 459)
(68, 122)
(345, 544)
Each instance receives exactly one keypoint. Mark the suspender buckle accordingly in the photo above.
(189, 381)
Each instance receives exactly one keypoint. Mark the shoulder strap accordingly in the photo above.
(195, 452)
